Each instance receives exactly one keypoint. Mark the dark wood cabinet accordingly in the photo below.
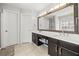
(69, 49)
(35, 38)
(52, 47)
(57, 47)
(66, 52)
(62, 48)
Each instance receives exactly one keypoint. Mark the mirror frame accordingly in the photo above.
(75, 6)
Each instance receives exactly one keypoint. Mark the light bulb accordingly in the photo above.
(43, 13)
(62, 4)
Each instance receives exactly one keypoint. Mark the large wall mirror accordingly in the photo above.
(62, 20)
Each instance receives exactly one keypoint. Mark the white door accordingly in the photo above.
(26, 25)
(10, 28)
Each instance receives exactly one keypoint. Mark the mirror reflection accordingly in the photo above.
(61, 20)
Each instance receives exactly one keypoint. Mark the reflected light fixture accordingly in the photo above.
(62, 4)
(43, 13)
(57, 6)
(54, 8)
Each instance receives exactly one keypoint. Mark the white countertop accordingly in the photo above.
(73, 38)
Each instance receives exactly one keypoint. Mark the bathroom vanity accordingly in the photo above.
(63, 19)
(57, 47)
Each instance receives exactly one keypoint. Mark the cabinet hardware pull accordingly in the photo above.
(59, 51)
(76, 21)
(56, 48)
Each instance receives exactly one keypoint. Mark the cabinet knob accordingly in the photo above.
(6, 31)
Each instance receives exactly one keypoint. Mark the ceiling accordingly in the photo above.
(35, 7)
(30, 6)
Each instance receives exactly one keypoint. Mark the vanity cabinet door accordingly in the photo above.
(66, 52)
(52, 48)
(35, 38)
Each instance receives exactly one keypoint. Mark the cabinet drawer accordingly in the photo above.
(66, 52)
(70, 46)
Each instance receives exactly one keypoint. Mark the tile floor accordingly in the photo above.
(30, 49)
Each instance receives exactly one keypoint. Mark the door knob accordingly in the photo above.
(6, 31)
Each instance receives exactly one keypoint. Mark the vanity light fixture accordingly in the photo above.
(62, 4)
(57, 7)
(44, 13)
(51, 9)
(54, 8)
